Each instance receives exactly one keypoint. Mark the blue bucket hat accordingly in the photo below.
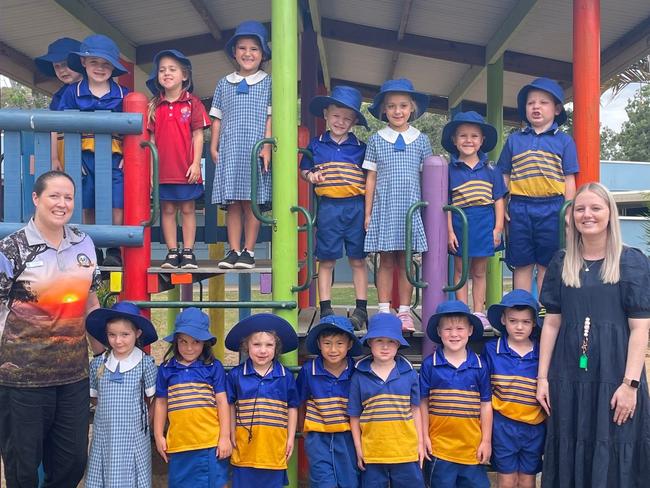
(453, 307)
(342, 96)
(471, 117)
(333, 323)
(515, 298)
(547, 85)
(401, 85)
(250, 28)
(385, 325)
(56, 52)
(98, 46)
(96, 322)
(153, 75)
(262, 322)
(194, 323)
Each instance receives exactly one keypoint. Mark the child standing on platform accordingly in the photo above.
(263, 402)
(512, 359)
(177, 119)
(122, 382)
(384, 410)
(98, 59)
(456, 408)
(191, 394)
(324, 384)
(340, 183)
(477, 187)
(241, 108)
(394, 158)
(539, 164)
(55, 64)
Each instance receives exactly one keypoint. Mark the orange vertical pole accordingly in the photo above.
(136, 203)
(586, 88)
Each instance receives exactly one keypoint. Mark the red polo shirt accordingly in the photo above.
(173, 126)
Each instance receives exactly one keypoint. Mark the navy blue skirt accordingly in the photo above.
(172, 192)
(481, 225)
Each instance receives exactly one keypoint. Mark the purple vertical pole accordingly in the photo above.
(434, 261)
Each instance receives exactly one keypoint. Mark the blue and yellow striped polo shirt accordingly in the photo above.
(472, 187)
(261, 414)
(538, 163)
(340, 164)
(385, 411)
(455, 396)
(191, 404)
(325, 397)
(514, 381)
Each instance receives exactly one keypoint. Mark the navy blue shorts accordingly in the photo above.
(480, 223)
(197, 469)
(258, 478)
(517, 447)
(179, 192)
(340, 221)
(332, 460)
(445, 474)
(88, 180)
(398, 475)
(533, 233)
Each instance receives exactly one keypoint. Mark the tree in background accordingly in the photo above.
(15, 95)
(634, 138)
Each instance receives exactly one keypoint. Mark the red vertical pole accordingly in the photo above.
(304, 199)
(136, 203)
(127, 80)
(586, 88)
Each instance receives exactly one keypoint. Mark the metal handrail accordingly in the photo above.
(309, 228)
(464, 248)
(561, 224)
(408, 251)
(255, 182)
(155, 207)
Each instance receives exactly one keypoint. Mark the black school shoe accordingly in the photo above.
(325, 312)
(229, 261)
(245, 261)
(113, 257)
(359, 318)
(188, 260)
(171, 260)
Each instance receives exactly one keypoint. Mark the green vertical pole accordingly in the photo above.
(284, 253)
(495, 118)
(173, 295)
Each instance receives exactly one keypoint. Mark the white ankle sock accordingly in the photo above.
(252, 253)
(404, 308)
(384, 307)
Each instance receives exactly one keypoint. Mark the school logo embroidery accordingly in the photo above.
(186, 112)
(83, 260)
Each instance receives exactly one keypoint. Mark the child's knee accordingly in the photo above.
(327, 264)
(357, 264)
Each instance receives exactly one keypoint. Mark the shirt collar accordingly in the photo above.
(504, 348)
(482, 160)
(554, 128)
(277, 370)
(390, 135)
(351, 139)
(71, 235)
(115, 90)
(472, 361)
(126, 364)
(185, 96)
(402, 366)
(250, 79)
(318, 369)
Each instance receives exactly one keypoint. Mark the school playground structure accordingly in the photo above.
(468, 55)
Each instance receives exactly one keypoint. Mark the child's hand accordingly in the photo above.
(366, 223)
(224, 448)
(161, 447)
(421, 454)
(265, 155)
(496, 236)
(316, 177)
(214, 154)
(56, 164)
(360, 462)
(452, 242)
(484, 452)
(428, 449)
(289, 449)
(193, 173)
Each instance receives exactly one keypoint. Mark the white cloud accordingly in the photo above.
(612, 110)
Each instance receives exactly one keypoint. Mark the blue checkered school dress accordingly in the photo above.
(120, 451)
(398, 187)
(243, 123)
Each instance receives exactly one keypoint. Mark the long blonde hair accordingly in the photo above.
(158, 99)
(610, 272)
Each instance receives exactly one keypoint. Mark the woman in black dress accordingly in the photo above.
(591, 378)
